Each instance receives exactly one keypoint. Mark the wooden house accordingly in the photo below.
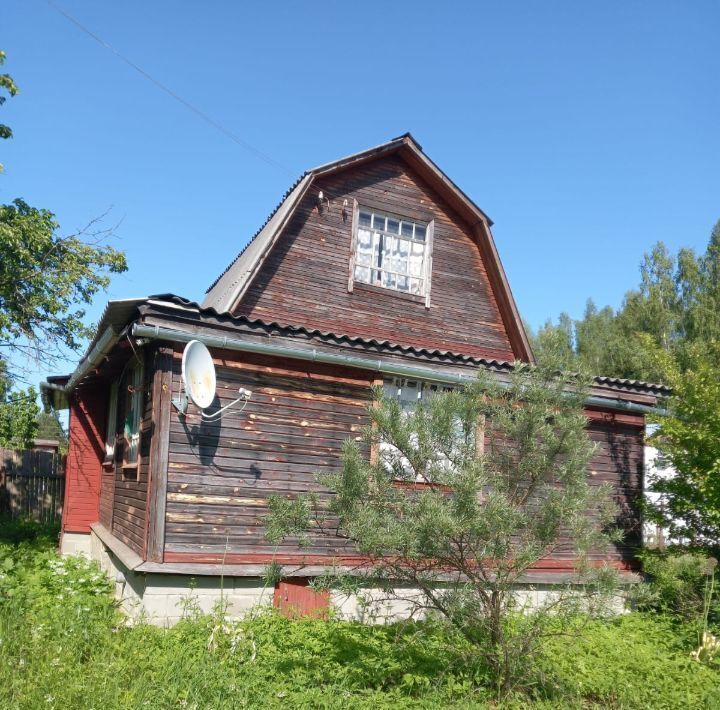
(373, 269)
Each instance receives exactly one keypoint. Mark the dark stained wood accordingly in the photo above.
(159, 447)
(221, 474)
(304, 279)
(31, 484)
(130, 492)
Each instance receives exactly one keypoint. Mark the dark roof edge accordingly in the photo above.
(613, 384)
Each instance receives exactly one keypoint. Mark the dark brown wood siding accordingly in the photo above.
(619, 462)
(129, 517)
(304, 280)
(221, 473)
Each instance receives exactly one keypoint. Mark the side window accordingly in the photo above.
(132, 411)
(111, 434)
(408, 393)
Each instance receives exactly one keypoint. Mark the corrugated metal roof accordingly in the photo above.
(447, 356)
(620, 383)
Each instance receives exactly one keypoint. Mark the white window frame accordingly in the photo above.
(426, 270)
(397, 388)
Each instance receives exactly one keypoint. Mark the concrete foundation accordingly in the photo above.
(76, 544)
(163, 598)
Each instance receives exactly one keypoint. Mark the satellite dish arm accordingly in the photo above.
(244, 396)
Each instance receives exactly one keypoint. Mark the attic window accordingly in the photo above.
(391, 252)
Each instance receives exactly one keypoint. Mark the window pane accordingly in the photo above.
(362, 273)
(364, 247)
(390, 252)
(379, 250)
(415, 259)
(388, 279)
(401, 252)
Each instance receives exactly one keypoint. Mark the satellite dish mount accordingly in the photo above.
(200, 382)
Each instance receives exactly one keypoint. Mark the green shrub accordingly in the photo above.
(678, 584)
(13, 531)
(633, 661)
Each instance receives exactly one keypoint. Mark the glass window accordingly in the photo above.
(111, 435)
(133, 414)
(391, 253)
(408, 393)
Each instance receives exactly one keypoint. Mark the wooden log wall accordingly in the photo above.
(124, 494)
(619, 462)
(304, 281)
(221, 473)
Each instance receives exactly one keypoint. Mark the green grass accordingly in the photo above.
(63, 644)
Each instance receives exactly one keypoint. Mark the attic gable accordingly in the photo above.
(231, 292)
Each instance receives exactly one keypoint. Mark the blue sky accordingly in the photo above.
(586, 131)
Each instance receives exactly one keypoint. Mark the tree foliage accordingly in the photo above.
(18, 414)
(50, 427)
(503, 474)
(676, 304)
(667, 330)
(44, 277)
(689, 441)
(7, 85)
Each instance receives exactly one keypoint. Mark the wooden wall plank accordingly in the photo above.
(304, 281)
(159, 453)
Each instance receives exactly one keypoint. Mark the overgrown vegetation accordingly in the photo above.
(63, 644)
(469, 489)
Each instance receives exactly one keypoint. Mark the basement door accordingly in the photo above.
(295, 598)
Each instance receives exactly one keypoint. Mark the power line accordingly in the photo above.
(199, 112)
(187, 104)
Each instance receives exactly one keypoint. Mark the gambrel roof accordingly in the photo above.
(228, 290)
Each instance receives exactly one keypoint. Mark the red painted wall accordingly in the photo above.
(88, 414)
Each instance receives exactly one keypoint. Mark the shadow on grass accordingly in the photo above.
(15, 531)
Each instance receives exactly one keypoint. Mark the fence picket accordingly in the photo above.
(31, 484)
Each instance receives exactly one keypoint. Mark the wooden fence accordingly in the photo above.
(32, 484)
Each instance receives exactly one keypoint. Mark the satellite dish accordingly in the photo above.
(198, 374)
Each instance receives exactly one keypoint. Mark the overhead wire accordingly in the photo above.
(166, 89)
